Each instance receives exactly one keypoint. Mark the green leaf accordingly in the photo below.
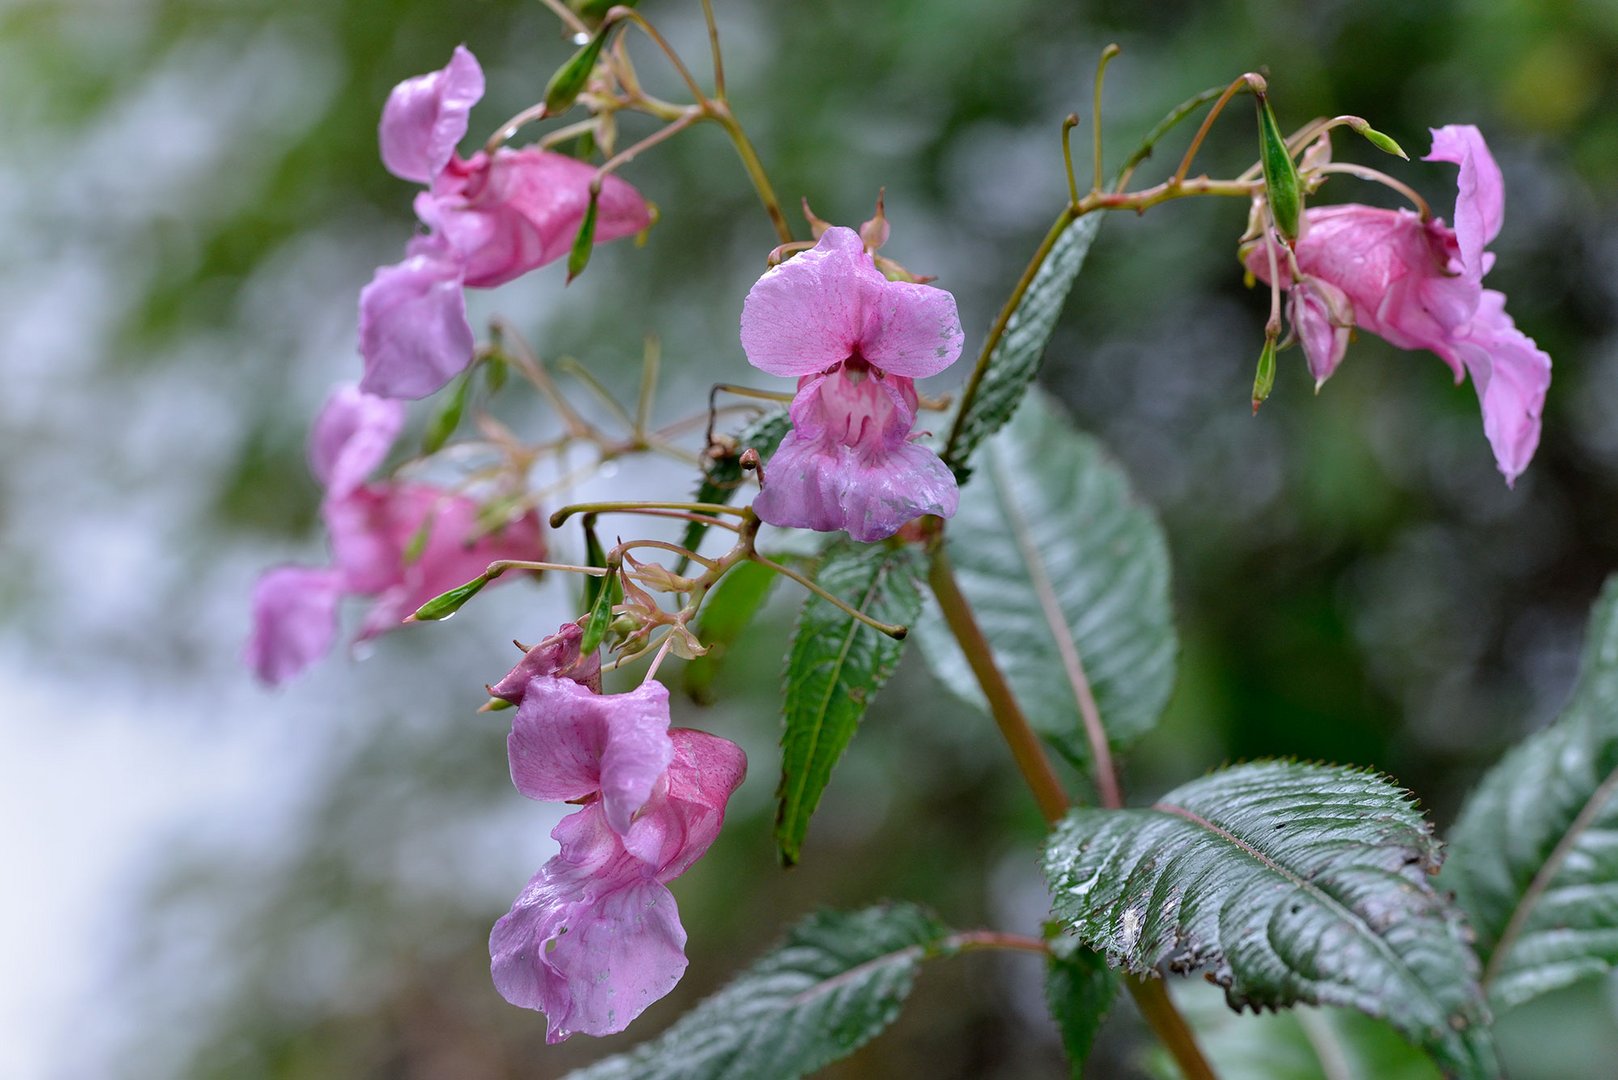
(834, 667)
(725, 614)
(723, 474)
(1305, 1043)
(1535, 862)
(1079, 988)
(828, 989)
(1290, 884)
(1060, 562)
(448, 416)
(1016, 354)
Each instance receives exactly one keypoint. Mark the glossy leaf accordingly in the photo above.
(1535, 852)
(835, 666)
(830, 988)
(1289, 884)
(727, 611)
(1015, 356)
(1079, 989)
(1068, 575)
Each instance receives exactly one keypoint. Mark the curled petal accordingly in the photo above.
(351, 436)
(591, 941)
(557, 655)
(294, 621)
(426, 118)
(1321, 317)
(414, 336)
(810, 312)
(684, 816)
(1511, 375)
(1480, 197)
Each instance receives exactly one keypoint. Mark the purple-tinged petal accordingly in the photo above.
(683, 817)
(294, 621)
(567, 743)
(351, 437)
(426, 118)
(592, 940)
(557, 740)
(364, 551)
(1511, 375)
(1321, 317)
(809, 313)
(1480, 197)
(847, 463)
(414, 335)
(911, 330)
(557, 655)
(521, 209)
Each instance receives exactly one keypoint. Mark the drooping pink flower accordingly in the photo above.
(595, 937)
(492, 218)
(400, 543)
(856, 342)
(1420, 286)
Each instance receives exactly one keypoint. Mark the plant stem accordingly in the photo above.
(1026, 748)
(755, 168)
(1150, 995)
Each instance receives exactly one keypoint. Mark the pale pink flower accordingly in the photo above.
(492, 218)
(401, 544)
(856, 342)
(1419, 285)
(595, 937)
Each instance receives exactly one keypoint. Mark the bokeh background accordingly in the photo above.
(204, 879)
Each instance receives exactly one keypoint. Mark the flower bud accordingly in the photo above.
(1264, 378)
(448, 603)
(568, 82)
(1281, 181)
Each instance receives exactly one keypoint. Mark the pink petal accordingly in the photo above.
(351, 437)
(682, 819)
(911, 330)
(426, 118)
(810, 312)
(1480, 198)
(567, 742)
(1511, 375)
(592, 940)
(294, 621)
(847, 464)
(522, 209)
(557, 655)
(1318, 311)
(414, 335)
(364, 550)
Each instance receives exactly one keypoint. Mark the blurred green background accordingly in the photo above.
(221, 882)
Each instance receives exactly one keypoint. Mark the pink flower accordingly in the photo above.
(402, 544)
(856, 342)
(492, 219)
(595, 937)
(1420, 285)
